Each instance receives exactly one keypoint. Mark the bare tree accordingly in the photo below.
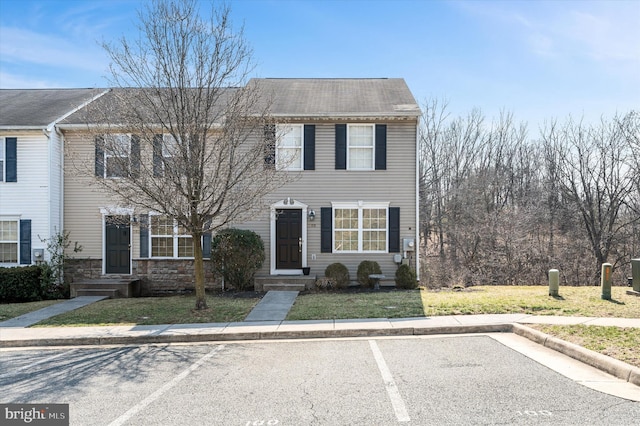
(595, 178)
(196, 154)
(433, 168)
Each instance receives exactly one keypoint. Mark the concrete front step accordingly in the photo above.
(284, 287)
(107, 286)
(111, 293)
(284, 282)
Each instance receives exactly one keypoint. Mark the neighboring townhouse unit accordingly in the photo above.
(352, 144)
(31, 156)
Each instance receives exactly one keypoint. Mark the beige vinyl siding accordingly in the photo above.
(82, 198)
(318, 188)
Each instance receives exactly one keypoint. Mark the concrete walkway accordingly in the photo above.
(274, 306)
(35, 317)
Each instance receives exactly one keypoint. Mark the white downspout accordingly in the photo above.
(417, 245)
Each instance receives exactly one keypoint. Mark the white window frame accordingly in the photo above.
(175, 237)
(16, 241)
(109, 152)
(283, 134)
(169, 149)
(351, 126)
(360, 206)
(3, 159)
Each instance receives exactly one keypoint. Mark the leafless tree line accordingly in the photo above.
(501, 207)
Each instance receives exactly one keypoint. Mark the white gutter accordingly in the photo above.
(417, 244)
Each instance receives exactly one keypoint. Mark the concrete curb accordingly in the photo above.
(266, 335)
(602, 362)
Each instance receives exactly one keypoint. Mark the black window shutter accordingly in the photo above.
(144, 235)
(309, 147)
(270, 146)
(326, 231)
(206, 241)
(99, 141)
(341, 147)
(25, 242)
(394, 229)
(135, 156)
(11, 159)
(381, 147)
(157, 156)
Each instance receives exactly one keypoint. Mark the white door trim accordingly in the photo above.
(287, 204)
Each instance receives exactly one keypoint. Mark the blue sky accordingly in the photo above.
(537, 59)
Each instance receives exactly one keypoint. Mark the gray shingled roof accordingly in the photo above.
(339, 97)
(35, 108)
(110, 106)
(290, 97)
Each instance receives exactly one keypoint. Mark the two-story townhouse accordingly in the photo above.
(31, 162)
(355, 144)
(352, 144)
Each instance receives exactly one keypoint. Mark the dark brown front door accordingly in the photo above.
(289, 239)
(117, 249)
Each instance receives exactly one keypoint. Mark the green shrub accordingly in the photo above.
(406, 277)
(366, 268)
(236, 255)
(24, 284)
(338, 274)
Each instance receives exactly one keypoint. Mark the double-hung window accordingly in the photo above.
(360, 146)
(289, 149)
(168, 239)
(117, 153)
(8, 241)
(360, 227)
(169, 149)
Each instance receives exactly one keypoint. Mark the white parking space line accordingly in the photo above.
(392, 389)
(157, 394)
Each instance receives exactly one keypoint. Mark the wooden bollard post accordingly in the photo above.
(605, 280)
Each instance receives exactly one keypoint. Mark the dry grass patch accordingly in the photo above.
(573, 301)
(616, 342)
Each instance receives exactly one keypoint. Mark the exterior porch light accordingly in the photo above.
(311, 214)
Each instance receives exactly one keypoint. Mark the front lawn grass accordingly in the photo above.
(155, 310)
(534, 300)
(382, 304)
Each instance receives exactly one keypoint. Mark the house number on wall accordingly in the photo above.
(271, 422)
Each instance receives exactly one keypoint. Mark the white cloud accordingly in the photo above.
(19, 45)
(613, 36)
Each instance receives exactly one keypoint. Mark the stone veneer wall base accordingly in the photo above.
(157, 276)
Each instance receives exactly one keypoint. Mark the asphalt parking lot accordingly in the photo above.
(444, 380)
